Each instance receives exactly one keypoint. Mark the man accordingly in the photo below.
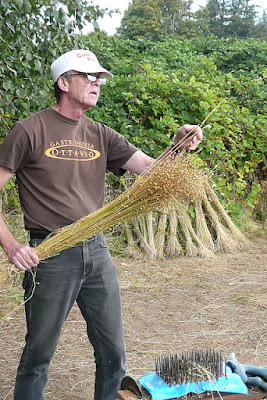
(60, 157)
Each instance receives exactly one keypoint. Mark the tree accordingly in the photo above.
(153, 19)
(242, 19)
(32, 34)
(200, 25)
(141, 20)
(175, 15)
(261, 27)
(232, 18)
(150, 19)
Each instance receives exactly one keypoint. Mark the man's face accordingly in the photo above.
(82, 92)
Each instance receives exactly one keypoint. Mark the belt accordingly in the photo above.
(39, 233)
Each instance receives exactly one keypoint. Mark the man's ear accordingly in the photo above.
(63, 84)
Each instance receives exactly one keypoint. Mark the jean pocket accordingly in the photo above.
(35, 242)
(102, 241)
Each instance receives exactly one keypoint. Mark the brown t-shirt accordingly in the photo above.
(60, 166)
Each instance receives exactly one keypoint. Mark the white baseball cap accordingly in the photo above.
(77, 60)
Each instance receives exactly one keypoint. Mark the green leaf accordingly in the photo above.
(95, 25)
(19, 4)
(10, 27)
(6, 85)
(27, 6)
(37, 65)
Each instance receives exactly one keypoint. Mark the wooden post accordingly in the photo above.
(126, 395)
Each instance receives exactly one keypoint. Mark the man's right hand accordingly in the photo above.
(22, 256)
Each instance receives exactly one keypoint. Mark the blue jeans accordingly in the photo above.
(86, 274)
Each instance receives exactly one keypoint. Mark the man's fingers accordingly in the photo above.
(20, 266)
(196, 140)
(34, 257)
(24, 257)
(198, 134)
(29, 257)
(187, 130)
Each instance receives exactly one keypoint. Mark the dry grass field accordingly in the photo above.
(171, 305)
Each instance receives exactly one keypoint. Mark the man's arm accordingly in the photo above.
(23, 256)
(140, 161)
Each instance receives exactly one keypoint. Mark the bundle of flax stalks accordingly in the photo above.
(171, 178)
(196, 227)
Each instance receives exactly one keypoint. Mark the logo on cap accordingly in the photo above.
(90, 57)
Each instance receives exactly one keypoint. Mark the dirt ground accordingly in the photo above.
(169, 306)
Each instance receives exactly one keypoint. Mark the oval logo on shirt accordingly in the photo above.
(72, 153)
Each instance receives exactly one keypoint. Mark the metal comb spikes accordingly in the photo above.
(191, 366)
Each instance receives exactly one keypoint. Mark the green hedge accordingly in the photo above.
(159, 86)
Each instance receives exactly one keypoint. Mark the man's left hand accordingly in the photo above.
(185, 130)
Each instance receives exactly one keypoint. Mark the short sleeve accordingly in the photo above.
(119, 152)
(15, 150)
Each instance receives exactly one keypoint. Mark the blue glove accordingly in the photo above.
(251, 375)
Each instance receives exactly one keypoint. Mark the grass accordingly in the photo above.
(168, 311)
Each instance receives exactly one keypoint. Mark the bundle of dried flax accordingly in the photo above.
(170, 179)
